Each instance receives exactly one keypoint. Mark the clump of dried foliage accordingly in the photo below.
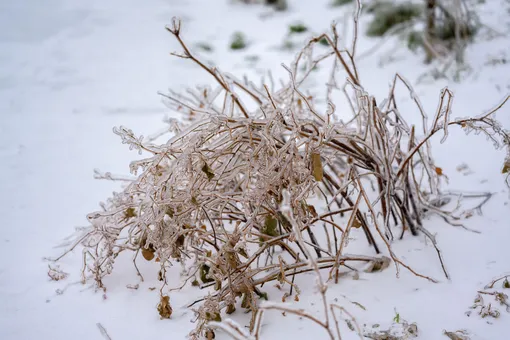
(486, 309)
(243, 197)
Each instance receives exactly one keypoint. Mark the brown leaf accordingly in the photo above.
(317, 170)
(130, 212)
(231, 309)
(506, 284)
(439, 171)
(356, 223)
(164, 308)
(506, 167)
(270, 226)
(312, 211)
(147, 254)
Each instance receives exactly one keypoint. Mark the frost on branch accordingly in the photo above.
(243, 197)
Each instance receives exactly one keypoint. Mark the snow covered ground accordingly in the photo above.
(71, 70)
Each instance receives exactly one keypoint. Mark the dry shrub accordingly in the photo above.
(233, 194)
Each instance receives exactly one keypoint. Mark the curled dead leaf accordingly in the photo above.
(164, 308)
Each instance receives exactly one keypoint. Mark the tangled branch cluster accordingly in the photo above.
(231, 196)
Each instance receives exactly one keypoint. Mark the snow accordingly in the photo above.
(72, 70)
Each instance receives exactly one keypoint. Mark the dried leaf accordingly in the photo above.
(130, 212)
(270, 226)
(147, 254)
(213, 317)
(356, 223)
(180, 241)
(231, 309)
(263, 295)
(359, 305)
(231, 258)
(246, 303)
(164, 308)
(284, 222)
(378, 265)
(457, 335)
(506, 167)
(312, 211)
(439, 171)
(243, 253)
(204, 271)
(208, 172)
(56, 274)
(317, 170)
